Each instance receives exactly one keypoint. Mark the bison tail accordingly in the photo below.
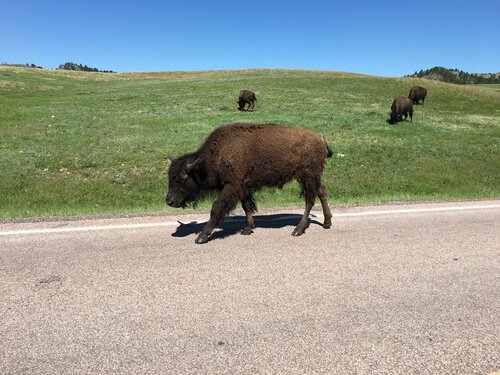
(329, 152)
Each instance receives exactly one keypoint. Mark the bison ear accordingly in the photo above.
(190, 166)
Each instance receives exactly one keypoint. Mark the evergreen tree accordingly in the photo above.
(80, 67)
(456, 76)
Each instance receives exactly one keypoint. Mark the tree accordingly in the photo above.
(80, 67)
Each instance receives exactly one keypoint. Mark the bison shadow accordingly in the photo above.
(397, 122)
(234, 224)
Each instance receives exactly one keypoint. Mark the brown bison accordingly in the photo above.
(417, 93)
(246, 97)
(238, 159)
(401, 107)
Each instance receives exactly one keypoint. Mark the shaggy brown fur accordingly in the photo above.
(240, 158)
(246, 97)
(401, 106)
(417, 93)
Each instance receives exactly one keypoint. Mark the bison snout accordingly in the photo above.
(170, 201)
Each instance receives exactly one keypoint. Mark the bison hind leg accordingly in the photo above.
(327, 214)
(304, 221)
(310, 190)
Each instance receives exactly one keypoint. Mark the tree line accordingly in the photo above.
(456, 76)
(80, 67)
(65, 66)
(23, 65)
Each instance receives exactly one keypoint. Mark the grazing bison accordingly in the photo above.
(401, 106)
(238, 159)
(417, 93)
(246, 97)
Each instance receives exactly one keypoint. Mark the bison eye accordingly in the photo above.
(183, 176)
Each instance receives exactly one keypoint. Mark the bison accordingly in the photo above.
(240, 158)
(246, 97)
(417, 93)
(401, 106)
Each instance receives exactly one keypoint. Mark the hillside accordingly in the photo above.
(457, 76)
(93, 143)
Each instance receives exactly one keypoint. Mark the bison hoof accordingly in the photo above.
(201, 240)
(246, 231)
(327, 225)
(297, 232)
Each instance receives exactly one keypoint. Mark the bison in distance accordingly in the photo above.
(417, 93)
(400, 108)
(238, 159)
(246, 98)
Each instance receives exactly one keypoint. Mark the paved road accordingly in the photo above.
(412, 289)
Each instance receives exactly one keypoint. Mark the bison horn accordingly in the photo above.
(190, 166)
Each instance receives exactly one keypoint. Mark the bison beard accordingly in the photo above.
(238, 159)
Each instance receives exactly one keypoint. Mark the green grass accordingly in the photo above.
(491, 86)
(86, 143)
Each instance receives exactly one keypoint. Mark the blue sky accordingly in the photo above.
(383, 38)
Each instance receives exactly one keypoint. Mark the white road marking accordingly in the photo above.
(417, 210)
(88, 228)
(281, 218)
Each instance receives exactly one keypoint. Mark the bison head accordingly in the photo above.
(183, 182)
(394, 118)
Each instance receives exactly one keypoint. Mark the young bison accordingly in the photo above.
(401, 106)
(246, 97)
(238, 159)
(417, 93)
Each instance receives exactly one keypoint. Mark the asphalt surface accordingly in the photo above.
(399, 289)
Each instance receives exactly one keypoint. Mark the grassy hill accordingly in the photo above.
(91, 143)
(457, 76)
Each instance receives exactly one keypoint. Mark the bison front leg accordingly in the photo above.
(249, 207)
(225, 201)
